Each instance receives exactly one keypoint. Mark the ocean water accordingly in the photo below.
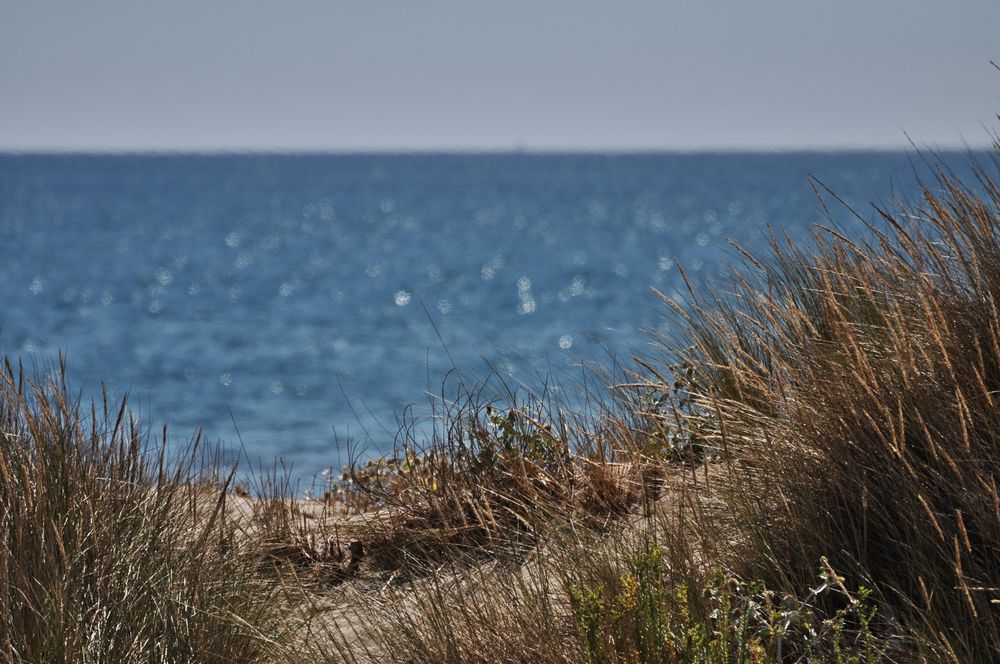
(312, 298)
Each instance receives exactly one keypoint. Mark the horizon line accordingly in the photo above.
(460, 151)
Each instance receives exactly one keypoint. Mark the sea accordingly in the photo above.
(296, 308)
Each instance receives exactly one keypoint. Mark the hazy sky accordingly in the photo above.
(468, 74)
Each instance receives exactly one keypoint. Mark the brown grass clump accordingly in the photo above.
(489, 482)
(854, 390)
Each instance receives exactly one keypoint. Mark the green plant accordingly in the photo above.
(647, 617)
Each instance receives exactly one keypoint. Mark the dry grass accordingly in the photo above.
(808, 475)
(852, 388)
(110, 553)
(825, 443)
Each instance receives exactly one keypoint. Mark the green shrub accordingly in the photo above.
(645, 615)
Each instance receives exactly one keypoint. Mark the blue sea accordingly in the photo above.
(307, 300)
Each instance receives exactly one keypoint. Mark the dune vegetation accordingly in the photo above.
(806, 471)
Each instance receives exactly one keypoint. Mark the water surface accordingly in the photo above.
(296, 294)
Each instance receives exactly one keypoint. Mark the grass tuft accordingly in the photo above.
(110, 553)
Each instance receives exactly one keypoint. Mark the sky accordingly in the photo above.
(304, 75)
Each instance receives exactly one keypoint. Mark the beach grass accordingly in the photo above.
(112, 552)
(805, 471)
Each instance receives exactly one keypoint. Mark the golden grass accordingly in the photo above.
(807, 473)
(854, 385)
